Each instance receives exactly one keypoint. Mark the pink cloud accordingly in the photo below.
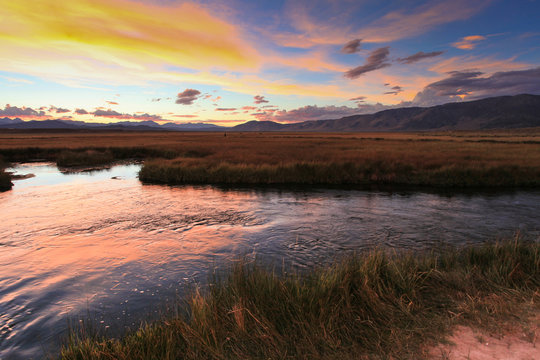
(468, 42)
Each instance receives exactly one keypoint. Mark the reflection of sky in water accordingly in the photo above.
(85, 242)
(48, 174)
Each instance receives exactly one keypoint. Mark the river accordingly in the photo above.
(104, 247)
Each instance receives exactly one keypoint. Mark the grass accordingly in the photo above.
(376, 305)
(446, 159)
(70, 158)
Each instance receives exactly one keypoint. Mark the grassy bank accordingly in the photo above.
(374, 305)
(367, 172)
(461, 159)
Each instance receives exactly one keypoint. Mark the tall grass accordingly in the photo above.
(457, 159)
(366, 172)
(376, 305)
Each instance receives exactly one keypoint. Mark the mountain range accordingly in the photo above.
(502, 112)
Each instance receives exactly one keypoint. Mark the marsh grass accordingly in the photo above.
(375, 305)
(68, 158)
(367, 172)
(458, 159)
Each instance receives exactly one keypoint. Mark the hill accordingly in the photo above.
(502, 112)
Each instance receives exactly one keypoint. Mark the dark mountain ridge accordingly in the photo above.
(502, 112)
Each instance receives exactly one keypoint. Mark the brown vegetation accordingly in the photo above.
(462, 159)
(371, 306)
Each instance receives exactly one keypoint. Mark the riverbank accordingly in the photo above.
(448, 159)
(373, 305)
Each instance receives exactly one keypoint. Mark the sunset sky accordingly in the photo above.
(228, 62)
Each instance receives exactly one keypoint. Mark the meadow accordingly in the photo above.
(374, 305)
(444, 159)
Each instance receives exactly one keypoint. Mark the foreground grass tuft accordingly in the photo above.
(374, 305)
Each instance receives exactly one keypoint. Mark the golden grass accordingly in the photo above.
(374, 305)
(491, 158)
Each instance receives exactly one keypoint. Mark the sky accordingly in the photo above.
(230, 61)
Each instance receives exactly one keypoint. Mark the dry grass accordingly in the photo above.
(371, 306)
(492, 158)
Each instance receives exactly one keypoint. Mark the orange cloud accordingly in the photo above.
(125, 33)
(484, 64)
(468, 42)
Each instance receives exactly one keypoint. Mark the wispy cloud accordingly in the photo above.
(185, 35)
(377, 60)
(395, 25)
(186, 116)
(468, 42)
(405, 23)
(112, 114)
(351, 47)
(419, 56)
(394, 90)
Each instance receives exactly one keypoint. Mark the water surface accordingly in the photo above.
(102, 245)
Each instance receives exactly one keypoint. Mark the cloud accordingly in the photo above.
(187, 97)
(358, 98)
(471, 85)
(468, 42)
(259, 99)
(12, 111)
(376, 60)
(107, 113)
(225, 109)
(399, 24)
(111, 102)
(309, 112)
(116, 115)
(419, 56)
(405, 23)
(186, 116)
(351, 47)
(395, 90)
(129, 32)
(58, 110)
(81, 112)
(248, 108)
(16, 80)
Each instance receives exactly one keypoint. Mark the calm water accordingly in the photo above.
(104, 246)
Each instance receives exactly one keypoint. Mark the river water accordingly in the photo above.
(102, 246)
